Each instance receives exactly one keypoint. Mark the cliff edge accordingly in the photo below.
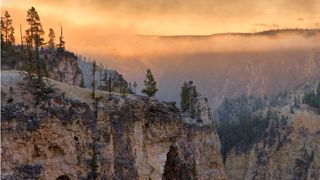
(67, 135)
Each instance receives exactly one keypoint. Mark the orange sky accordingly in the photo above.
(89, 24)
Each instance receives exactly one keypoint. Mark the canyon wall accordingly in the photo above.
(289, 147)
(68, 135)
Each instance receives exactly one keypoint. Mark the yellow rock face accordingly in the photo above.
(67, 134)
(291, 153)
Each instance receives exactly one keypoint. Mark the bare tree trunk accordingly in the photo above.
(22, 47)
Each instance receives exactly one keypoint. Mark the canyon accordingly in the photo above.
(69, 135)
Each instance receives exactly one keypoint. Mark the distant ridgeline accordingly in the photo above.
(232, 110)
(67, 67)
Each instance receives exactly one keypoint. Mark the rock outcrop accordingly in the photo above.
(68, 68)
(289, 148)
(63, 67)
(68, 135)
(102, 76)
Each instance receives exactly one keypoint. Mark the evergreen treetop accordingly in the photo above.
(52, 37)
(150, 84)
(7, 30)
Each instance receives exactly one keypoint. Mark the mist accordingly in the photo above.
(222, 66)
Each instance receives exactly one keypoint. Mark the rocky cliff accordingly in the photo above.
(69, 136)
(289, 151)
(289, 147)
(102, 75)
(66, 67)
(63, 67)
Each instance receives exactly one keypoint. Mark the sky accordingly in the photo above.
(106, 30)
(93, 24)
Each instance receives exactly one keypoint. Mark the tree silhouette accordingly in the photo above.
(7, 39)
(7, 30)
(52, 37)
(61, 45)
(150, 84)
(188, 97)
(34, 36)
(184, 97)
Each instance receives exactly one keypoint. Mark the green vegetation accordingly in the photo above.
(51, 43)
(188, 97)
(150, 84)
(61, 45)
(7, 40)
(234, 109)
(312, 98)
(31, 61)
(7, 30)
(35, 37)
(242, 134)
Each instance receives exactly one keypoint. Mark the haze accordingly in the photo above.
(174, 39)
(87, 23)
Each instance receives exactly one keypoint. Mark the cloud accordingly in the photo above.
(172, 17)
(88, 24)
(269, 26)
(317, 24)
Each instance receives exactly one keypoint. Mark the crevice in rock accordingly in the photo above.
(63, 177)
(175, 168)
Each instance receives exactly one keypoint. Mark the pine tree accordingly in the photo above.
(34, 35)
(94, 69)
(188, 97)
(7, 39)
(52, 37)
(7, 30)
(30, 65)
(2, 35)
(150, 84)
(61, 45)
(184, 97)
